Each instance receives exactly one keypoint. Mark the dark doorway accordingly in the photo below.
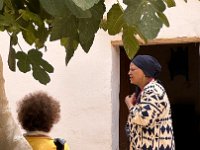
(181, 77)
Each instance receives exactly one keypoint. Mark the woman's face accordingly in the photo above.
(136, 75)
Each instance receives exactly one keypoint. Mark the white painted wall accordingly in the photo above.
(88, 88)
(184, 20)
(83, 89)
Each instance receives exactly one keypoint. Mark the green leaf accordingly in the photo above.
(137, 9)
(29, 34)
(2, 28)
(130, 43)
(88, 27)
(29, 16)
(47, 67)
(157, 4)
(1, 4)
(54, 7)
(41, 75)
(9, 22)
(70, 46)
(36, 60)
(35, 56)
(41, 36)
(23, 62)
(163, 18)
(115, 19)
(85, 4)
(77, 11)
(86, 36)
(6, 20)
(127, 2)
(40, 66)
(17, 4)
(171, 3)
(133, 12)
(9, 6)
(33, 5)
(11, 59)
(150, 25)
(62, 27)
(142, 14)
(13, 39)
(104, 24)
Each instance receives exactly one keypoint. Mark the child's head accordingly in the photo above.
(38, 112)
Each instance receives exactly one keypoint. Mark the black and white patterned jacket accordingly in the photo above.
(149, 124)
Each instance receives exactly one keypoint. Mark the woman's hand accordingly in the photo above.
(130, 100)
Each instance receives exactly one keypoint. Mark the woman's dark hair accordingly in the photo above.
(38, 112)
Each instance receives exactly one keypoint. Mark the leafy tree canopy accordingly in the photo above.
(75, 22)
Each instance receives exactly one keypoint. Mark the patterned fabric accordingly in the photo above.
(149, 124)
(43, 143)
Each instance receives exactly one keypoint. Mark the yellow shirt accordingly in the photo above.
(43, 143)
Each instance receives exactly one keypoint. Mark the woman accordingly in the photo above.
(149, 124)
(11, 137)
(37, 113)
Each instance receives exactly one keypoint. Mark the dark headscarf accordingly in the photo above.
(148, 64)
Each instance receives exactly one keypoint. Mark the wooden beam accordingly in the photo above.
(159, 41)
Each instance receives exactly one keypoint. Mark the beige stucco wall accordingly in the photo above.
(88, 88)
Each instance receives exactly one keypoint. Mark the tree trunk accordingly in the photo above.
(11, 137)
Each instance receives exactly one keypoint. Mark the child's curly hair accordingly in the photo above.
(38, 112)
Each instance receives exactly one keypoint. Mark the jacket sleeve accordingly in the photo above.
(152, 104)
(11, 137)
